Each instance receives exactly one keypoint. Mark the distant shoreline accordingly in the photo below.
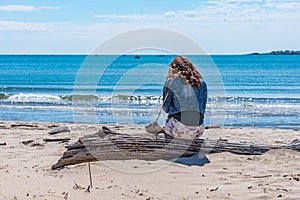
(286, 52)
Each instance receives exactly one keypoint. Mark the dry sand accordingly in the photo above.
(25, 170)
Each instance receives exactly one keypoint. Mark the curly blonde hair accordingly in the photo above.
(184, 68)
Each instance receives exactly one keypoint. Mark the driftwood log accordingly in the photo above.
(109, 145)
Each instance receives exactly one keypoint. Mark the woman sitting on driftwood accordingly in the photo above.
(185, 97)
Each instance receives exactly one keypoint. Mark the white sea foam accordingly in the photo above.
(33, 98)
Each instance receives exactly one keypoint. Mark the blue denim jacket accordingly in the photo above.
(182, 97)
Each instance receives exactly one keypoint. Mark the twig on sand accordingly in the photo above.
(76, 186)
(215, 189)
(27, 142)
(56, 139)
(90, 173)
(2, 143)
(88, 189)
(66, 195)
(263, 176)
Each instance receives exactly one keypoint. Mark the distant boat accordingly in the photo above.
(161, 55)
(137, 57)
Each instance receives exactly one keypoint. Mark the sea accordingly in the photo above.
(244, 91)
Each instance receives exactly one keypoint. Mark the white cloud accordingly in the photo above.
(222, 11)
(283, 5)
(181, 13)
(17, 8)
(234, 1)
(170, 14)
(189, 13)
(24, 8)
(29, 26)
(48, 8)
(251, 10)
(140, 17)
(134, 17)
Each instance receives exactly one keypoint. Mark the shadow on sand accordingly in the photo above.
(199, 159)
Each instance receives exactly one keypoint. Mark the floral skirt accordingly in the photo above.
(177, 129)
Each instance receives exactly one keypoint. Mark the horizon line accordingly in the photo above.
(88, 54)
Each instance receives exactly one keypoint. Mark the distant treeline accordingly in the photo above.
(286, 52)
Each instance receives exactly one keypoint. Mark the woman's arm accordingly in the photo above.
(204, 97)
(167, 99)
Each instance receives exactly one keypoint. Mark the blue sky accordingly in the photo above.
(77, 27)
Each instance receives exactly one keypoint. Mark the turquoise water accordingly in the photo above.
(259, 91)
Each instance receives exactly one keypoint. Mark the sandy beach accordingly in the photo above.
(25, 169)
